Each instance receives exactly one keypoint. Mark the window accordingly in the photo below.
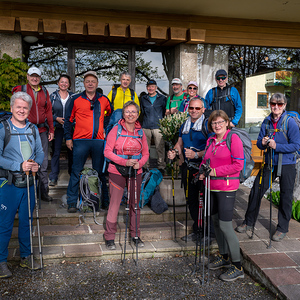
(262, 100)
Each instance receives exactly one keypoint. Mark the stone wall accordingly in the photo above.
(11, 44)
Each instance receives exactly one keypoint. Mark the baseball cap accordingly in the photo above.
(34, 70)
(151, 81)
(193, 83)
(92, 73)
(176, 80)
(221, 72)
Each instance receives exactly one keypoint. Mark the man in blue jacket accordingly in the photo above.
(153, 108)
(280, 135)
(225, 97)
(16, 152)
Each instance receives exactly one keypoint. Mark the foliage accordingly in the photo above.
(169, 127)
(107, 64)
(295, 207)
(12, 72)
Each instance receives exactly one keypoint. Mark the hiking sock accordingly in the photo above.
(237, 264)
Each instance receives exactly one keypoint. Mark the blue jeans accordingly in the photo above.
(13, 199)
(81, 150)
(56, 148)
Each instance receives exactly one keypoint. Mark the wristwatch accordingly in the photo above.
(196, 155)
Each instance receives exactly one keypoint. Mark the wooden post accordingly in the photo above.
(71, 65)
(131, 66)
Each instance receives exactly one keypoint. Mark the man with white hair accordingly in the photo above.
(174, 100)
(40, 115)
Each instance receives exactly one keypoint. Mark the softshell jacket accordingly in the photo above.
(152, 113)
(122, 97)
(41, 107)
(225, 163)
(287, 147)
(11, 158)
(114, 147)
(235, 97)
(57, 107)
(89, 122)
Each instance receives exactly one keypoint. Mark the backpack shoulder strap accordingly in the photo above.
(24, 88)
(45, 91)
(132, 94)
(214, 97)
(7, 133)
(113, 95)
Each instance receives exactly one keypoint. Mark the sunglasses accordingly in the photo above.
(92, 105)
(273, 104)
(193, 88)
(197, 108)
(221, 77)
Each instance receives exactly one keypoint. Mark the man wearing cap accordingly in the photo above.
(174, 101)
(225, 97)
(40, 115)
(153, 108)
(192, 89)
(88, 109)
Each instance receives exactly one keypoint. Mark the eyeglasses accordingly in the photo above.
(221, 77)
(193, 88)
(127, 112)
(220, 123)
(197, 108)
(273, 104)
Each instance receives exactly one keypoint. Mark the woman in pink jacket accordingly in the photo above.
(225, 167)
(127, 149)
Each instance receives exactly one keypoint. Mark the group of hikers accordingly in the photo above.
(108, 128)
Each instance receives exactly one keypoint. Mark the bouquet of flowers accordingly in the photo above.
(169, 127)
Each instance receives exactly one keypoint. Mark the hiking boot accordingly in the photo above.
(72, 208)
(232, 274)
(219, 263)
(110, 245)
(52, 182)
(278, 236)
(45, 197)
(243, 228)
(4, 270)
(26, 263)
(138, 241)
(190, 237)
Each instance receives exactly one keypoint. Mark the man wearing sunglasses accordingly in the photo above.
(193, 135)
(279, 135)
(225, 97)
(88, 109)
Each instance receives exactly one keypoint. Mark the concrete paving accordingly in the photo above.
(277, 267)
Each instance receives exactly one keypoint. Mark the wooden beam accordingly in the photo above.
(118, 30)
(7, 23)
(158, 33)
(96, 28)
(138, 31)
(74, 27)
(196, 36)
(52, 26)
(29, 24)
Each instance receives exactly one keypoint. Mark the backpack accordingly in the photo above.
(114, 92)
(227, 106)
(247, 147)
(4, 116)
(90, 192)
(150, 180)
(185, 96)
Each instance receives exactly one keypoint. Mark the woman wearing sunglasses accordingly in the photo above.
(192, 90)
(279, 135)
(225, 167)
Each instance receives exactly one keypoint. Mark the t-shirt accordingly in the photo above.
(152, 99)
(25, 147)
(176, 101)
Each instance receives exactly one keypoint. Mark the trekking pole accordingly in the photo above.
(37, 219)
(200, 208)
(173, 194)
(208, 221)
(127, 212)
(204, 229)
(186, 199)
(136, 219)
(271, 198)
(29, 215)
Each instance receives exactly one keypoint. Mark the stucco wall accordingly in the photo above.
(11, 44)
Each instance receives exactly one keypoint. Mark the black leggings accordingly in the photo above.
(222, 203)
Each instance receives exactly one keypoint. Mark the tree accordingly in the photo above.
(107, 64)
(12, 72)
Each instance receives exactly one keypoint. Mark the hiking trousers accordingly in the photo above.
(117, 184)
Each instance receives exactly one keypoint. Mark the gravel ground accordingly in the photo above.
(158, 278)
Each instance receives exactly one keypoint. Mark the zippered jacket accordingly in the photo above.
(152, 113)
(287, 147)
(89, 122)
(122, 97)
(11, 158)
(41, 107)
